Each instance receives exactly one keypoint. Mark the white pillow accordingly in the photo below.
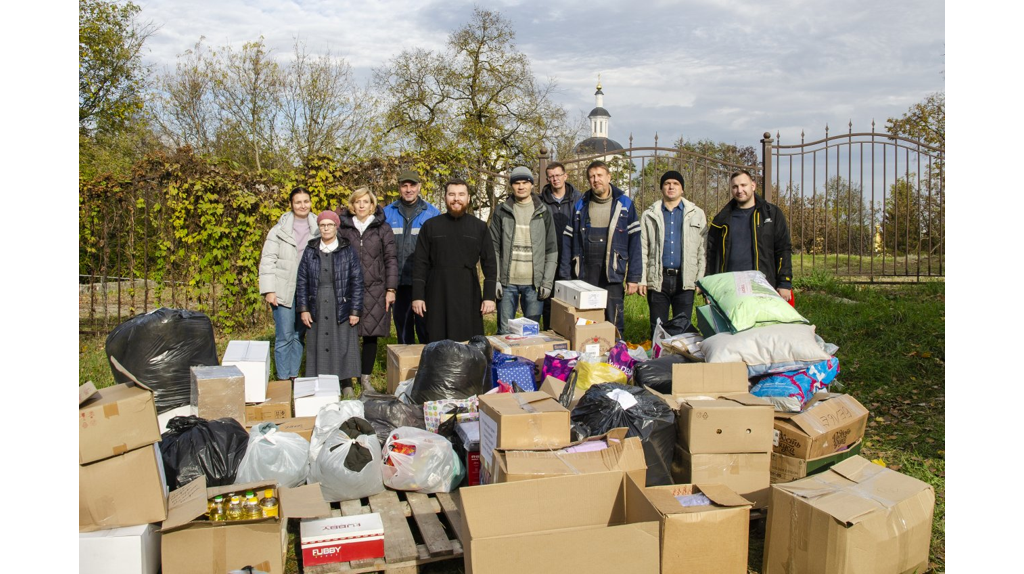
(764, 346)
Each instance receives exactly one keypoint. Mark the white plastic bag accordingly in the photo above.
(419, 460)
(328, 420)
(339, 482)
(274, 455)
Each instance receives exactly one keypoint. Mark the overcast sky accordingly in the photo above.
(725, 70)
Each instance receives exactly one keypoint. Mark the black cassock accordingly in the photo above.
(445, 275)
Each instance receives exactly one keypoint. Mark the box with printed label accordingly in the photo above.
(194, 545)
(532, 348)
(829, 424)
(787, 468)
(596, 338)
(253, 359)
(277, 406)
(610, 451)
(564, 317)
(115, 420)
(520, 420)
(745, 473)
(580, 294)
(523, 326)
(403, 360)
(312, 393)
(218, 392)
(128, 550)
(124, 490)
(341, 539)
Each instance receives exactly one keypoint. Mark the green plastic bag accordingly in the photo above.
(747, 300)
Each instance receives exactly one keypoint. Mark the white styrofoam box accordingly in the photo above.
(311, 393)
(129, 550)
(581, 295)
(524, 326)
(253, 359)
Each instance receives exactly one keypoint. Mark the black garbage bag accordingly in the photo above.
(450, 370)
(657, 373)
(388, 412)
(680, 324)
(193, 446)
(158, 348)
(482, 344)
(612, 405)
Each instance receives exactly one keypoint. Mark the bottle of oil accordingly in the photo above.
(235, 508)
(218, 512)
(251, 507)
(269, 503)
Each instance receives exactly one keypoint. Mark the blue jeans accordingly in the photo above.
(287, 342)
(511, 297)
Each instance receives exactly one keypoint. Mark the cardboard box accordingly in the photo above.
(709, 539)
(623, 454)
(302, 426)
(125, 490)
(580, 294)
(277, 406)
(730, 424)
(192, 545)
(520, 420)
(829, 424)
(787, 468)
(523, 326)
(312, 393)
(218, 392)
(403, 360)
(710, 321)
(128, 550)
(854, 517)
(594, 523)
(253, 359)
(341, 539)
(564, 317)
(708, 380)
(553, 387)
(85, 391)
(114, 421)
(746, 474)
(596, 338)
(532, 348)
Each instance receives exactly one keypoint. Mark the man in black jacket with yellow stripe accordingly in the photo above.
(751, 234)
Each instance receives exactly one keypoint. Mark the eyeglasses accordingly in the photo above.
(326, 225)
(556, 176)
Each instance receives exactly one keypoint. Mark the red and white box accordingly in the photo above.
(341, 539)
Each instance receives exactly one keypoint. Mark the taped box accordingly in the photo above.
(854, 517)
(218, 392)
(595, 338)
(747, 474)
(341, 539)
(124, 490)
(564, 317)
(621, 453)
(128, 550)
(403, 360)
(580, 294)
(115, 420)
(520, 420)
(829, 424)
(253, 359)
(277, 406)
(532, 348)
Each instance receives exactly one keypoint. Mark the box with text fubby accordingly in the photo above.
(193, 545)
(341, 539)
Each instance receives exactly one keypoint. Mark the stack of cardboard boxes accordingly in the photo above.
(829, 429)
(577, 313)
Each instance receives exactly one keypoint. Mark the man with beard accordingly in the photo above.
(445, 283)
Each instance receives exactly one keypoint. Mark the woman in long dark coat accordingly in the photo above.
(364, 226)
(329, 296)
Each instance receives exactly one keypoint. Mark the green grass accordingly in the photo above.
(891, 342)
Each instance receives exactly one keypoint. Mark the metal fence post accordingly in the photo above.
(542, 167)
(766, 160)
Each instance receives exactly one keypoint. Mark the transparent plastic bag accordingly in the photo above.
(421, 461)
(348, 468)
(274, 455)
(328, 420)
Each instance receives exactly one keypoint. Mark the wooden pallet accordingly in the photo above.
(435, 517)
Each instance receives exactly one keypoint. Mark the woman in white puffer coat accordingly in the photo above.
(279, 266)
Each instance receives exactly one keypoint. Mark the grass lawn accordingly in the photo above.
(892, 357)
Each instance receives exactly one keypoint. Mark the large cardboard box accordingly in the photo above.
(829, 425)
(341, 539)
(192, 545)
(302, 426)
(403, 360)
(595, 338)
(747, 474)
(708, 538)
(595, 523)
(277, 406)
(564, 317)
(128, 550)
(218, 392)
(532, 348)
(520, 420)
(125, 490)
(114, 421)
(554, 386)
(580, 294)
(854, 517)
(312, 393)
(787, 468)
(732, 423)
(253, 359)
(624, 454)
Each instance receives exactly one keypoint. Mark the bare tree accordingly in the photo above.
(188, 113)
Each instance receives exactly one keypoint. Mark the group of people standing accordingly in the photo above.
(342, 274)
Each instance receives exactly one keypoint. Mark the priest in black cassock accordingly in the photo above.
(445, 282)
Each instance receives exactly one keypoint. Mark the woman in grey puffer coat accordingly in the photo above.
(364, 225)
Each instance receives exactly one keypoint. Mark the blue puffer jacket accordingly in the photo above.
(348, 280)
(406, 234)
(624, 255)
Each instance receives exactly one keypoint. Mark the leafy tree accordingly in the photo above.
(188, 112)
(924, 121)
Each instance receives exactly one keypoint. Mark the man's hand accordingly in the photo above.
(642, 290)
(307, 319)
(419, 307)
(272, 299)
(353, 319)
(486, 307)
(389, 300)
(631, 288)
(697, 291)
(497, 291)
(787, 294)
(544, 293)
